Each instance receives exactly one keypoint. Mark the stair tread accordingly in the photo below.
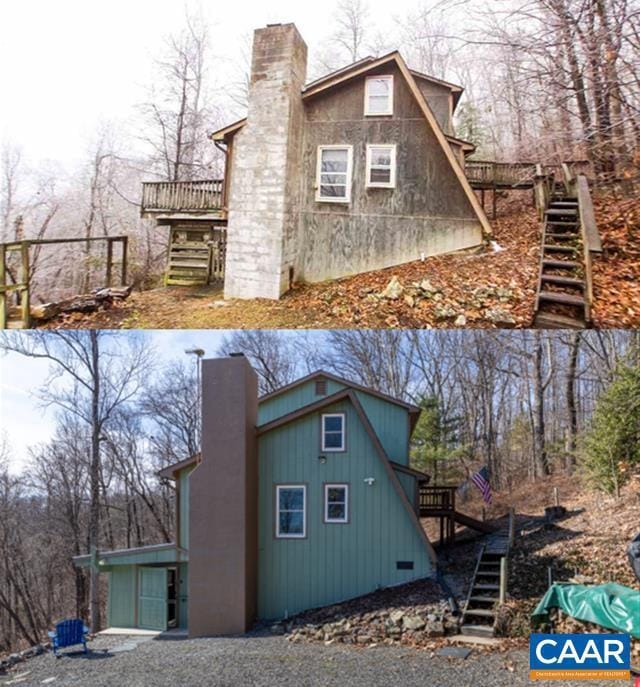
(487, 573)
(559, 248)
(562, 298)
(563, 264)
(561, 237)
(484, 599)
(561, 211)
(480, 612)
(481, 630)
(486, 586)
(550, 320)
(562, 223)
(562, 281)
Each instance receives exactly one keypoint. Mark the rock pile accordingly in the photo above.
(412, 614)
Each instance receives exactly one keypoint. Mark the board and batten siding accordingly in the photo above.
(183, 512)
(121, 606)
(335, 561)
(390, 421)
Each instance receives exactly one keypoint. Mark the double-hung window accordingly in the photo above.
(378, 96)
(381, 166)
(333, 434)
(336, 503)
(291, 511)
(333, 181)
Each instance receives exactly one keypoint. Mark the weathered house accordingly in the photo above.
(301, 498)
(357, 171)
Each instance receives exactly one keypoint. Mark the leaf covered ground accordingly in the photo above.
(493, 286)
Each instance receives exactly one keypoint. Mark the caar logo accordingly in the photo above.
(580, 657)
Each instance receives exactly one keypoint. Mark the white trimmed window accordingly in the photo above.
(336, 503)
(333, 434)
(291, 511)
(333, 177)
(378, 96)
(381, 166)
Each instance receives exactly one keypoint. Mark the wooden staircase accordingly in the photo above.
(569, 237)
(196, 255)
(561, 297)
(488, 587)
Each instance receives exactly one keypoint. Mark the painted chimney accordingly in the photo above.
(223, 503)
(262, 231)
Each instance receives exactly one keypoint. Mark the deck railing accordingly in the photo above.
(437, 498)
(181, 196)
(488, 173)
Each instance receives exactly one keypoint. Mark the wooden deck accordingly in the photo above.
(491, 175)
(193, 199)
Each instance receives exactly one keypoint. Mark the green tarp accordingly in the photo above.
(609, 605)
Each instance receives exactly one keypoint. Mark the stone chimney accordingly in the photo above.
(264, 196)
(223, 503)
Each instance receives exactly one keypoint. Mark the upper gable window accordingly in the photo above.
(333, 181)
(381, 166)
(378, 96)
(333, 438)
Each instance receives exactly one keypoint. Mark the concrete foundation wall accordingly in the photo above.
(263, 198)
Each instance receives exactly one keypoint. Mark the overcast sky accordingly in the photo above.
(23, 420)
(68, 65)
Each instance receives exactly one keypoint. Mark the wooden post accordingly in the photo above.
(556, 497)
(511, 526)
(25, 300)
(482, 197)
(495, 201)
(125, 247)
(503, 579)
(109, 262)
(3, 283)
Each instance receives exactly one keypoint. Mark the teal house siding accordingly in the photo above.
(335, 561)
(408, 484)
(122, 596)
(292, 399)
(183, 512)
(391, 424)
(183, 596)
(390, 421)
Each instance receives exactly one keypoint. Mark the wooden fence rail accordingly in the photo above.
(22, 286)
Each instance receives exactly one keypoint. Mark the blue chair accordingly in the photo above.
(69, 633)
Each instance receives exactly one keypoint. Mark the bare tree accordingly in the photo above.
(97, 381)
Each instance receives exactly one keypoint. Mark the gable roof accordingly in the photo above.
(389, 467)
(321, 374)
(169, 472)
(366, 66)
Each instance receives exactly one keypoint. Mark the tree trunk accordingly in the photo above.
(94, 477)
(540, 449)
(572, 411)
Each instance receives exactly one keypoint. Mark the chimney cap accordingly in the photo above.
(269, 26)
(236, 354)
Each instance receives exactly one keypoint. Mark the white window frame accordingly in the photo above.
(349, 174)
(368, 80)
(336, 521)
(392, 176)
(285, 535)
(343, 446)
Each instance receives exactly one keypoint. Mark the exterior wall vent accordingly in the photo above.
(404, 565)
(321, 387)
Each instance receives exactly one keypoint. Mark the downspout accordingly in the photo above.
(222, 147)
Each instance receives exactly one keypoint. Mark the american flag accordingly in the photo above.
(481, 480)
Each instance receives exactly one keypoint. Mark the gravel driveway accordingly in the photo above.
(266, 660)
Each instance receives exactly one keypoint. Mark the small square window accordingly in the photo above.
(333, 432)
(381, 166)
(291, 518)
(378, 96)
(336, 503)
